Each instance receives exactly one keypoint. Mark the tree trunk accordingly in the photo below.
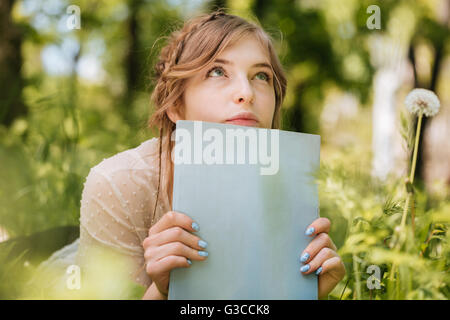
(217, 4)
(386, 83)
(11, 103)
(131, 59)
(438, 55)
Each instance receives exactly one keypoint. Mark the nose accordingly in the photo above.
(244, 93)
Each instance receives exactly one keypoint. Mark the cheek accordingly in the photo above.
(267, 108)
(200, 105)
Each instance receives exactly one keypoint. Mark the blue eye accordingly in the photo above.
(266, 76)
(214, 69)
(221, 71)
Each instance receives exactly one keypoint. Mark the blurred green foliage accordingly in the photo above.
(365, 213)
(73, 123)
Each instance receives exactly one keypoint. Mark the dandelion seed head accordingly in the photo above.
(422, 101)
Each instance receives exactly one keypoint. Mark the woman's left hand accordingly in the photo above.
(320, 257)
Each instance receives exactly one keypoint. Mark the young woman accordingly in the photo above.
(217, 68)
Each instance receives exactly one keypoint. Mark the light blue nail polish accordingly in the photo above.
(309, 231)
(189, 261)
(202, 243)
(318, 270)
(304, 257)
(195, 226)
(203, 253)
(305, 268)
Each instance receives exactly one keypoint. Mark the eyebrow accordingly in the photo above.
(260, 64)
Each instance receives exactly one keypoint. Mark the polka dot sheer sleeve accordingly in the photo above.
(117, 204)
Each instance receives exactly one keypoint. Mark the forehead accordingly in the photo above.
(248, 47)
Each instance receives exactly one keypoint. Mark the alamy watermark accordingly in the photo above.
(74, 19)
(374, 281)
(230, 149)
(374, 21)
(73, 281)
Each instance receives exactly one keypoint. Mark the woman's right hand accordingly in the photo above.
(169, 245)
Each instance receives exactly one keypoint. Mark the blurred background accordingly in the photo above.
(75, 91)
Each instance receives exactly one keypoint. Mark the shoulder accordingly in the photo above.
(140, 158)
(123, 185)
(118, 196)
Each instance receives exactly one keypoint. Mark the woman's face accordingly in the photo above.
(238, 85)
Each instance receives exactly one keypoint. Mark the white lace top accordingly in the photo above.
(117, 204)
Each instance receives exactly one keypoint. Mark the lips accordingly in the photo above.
(243, 119)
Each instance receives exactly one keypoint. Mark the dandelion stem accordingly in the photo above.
(412, 219)
(405, 211)
(400, 240)
(357, 278)
(416, 145)
(413, 169)
(391, 285)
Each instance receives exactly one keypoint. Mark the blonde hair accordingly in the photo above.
(188, 50)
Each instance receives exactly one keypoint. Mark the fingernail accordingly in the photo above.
(203, 253)
(309, 231)
(189, 261)
(304, 257)
(305, 268)
(318, 270)
(195, 226)
(202, 243)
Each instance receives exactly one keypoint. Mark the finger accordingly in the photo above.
(323, 255)
(322, 240)
(319, 225)
(174, 249)
(175, 234)
(336, 264)
(165, 265)
(172, 219)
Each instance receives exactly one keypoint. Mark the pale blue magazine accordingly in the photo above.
(252, 215)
